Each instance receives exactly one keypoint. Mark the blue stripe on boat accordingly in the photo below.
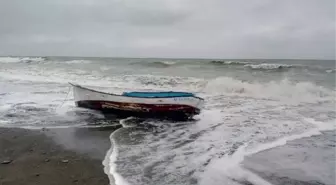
(158, 94)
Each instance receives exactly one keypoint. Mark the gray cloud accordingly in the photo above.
(169, 28)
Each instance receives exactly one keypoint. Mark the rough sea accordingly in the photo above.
(263, 122)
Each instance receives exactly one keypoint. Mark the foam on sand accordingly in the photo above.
(110, 167)
(229, 166)
(240, 117)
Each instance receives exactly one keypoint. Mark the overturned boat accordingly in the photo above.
(164, 104)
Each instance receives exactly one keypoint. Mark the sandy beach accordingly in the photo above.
(264, 122)
(36, 157)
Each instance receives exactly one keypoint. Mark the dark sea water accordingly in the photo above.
(263, 122)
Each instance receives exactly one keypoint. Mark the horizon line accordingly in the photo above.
(185, 58)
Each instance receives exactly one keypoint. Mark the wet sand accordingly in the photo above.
(53, 156)
(305, 161)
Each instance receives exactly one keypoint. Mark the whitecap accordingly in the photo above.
(268, 66)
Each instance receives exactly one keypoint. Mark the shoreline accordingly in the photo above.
(54, 156)
(77, 156)
(298, 162)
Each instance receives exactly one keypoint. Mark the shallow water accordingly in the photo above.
(251, 106)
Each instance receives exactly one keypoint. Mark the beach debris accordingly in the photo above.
(6, 161)
(46, 160)
(37, 174)
(65, 161)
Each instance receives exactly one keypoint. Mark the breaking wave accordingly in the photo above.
(157, 64)
(240, 117)
(167, 62)
(170, 63)
(267, 66)
(276, 90)
(21, 59)
(284, 89)
(45, 60)
(161, 64)
(228, 62)
(273, 66)
(77, 62)
(331, 70)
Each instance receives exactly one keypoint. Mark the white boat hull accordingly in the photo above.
(135, 106)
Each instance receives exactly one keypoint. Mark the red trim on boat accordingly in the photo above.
(135, 106)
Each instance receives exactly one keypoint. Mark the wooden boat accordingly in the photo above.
(165, 104)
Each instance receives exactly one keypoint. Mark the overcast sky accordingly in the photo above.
(169, 28)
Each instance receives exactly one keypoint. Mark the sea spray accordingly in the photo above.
(245, 110)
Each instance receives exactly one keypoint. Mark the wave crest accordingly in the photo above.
(268, 66)
(77, 62)
(228, 62)
(160, 64)
(39, 60)
(276, 90)
(331, 70)
(21, 59)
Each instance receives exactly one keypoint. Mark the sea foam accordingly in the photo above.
(292, 92)
(269, 66)
(21, 59)
(229, 166)
(110, 167)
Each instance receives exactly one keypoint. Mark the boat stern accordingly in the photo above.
(200, 103)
